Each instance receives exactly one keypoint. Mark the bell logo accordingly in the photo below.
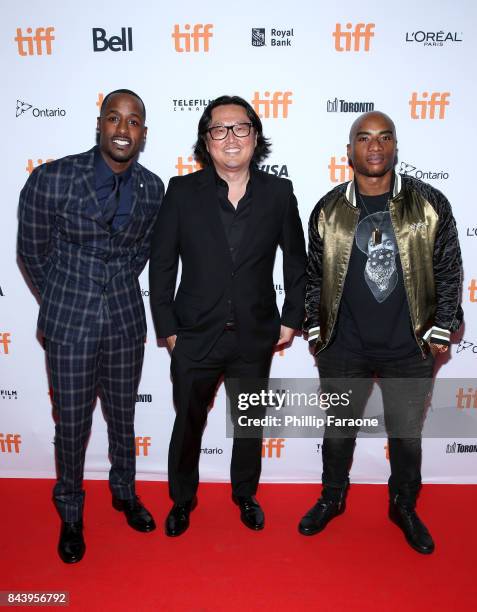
(420, 108)
(30, 165)
(42, 40)
(142, 445)
(201, 34)
(114, 43)
(276, 106)
(362, 32)
(473, 290)
(10, 443)
(4, 342)
(273, 447)
(187, 167)
(466, 399)
(339, 173)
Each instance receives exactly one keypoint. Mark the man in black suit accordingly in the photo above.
(85, 225)
(225, 223)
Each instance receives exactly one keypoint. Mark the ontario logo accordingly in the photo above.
(23, 107)
(407, 169)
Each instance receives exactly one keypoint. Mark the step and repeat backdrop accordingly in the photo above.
(308, 68)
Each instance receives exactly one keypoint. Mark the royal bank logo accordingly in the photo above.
(258, 37)
(277, 37)
(407, 169)
(279, 170)
(456, 447)
(191, 105)
(23, 107)
(434, 39)
(8, 394)
(347, 106)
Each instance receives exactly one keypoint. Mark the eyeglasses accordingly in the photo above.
(220, 132)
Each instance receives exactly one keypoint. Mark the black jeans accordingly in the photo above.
(405, 384)
(194, 386)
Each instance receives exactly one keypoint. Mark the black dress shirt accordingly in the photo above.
(104, 184)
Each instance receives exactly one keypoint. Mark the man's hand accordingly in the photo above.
(171, 342)
(437, 348)
(286, 335)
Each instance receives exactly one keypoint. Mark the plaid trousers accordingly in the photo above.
(105, 364)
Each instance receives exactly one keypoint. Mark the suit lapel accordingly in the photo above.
(86, 190)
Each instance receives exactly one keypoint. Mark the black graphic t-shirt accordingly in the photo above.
(374, 315)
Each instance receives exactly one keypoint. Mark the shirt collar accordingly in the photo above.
(103, 172)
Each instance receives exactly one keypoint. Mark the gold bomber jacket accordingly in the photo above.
(428, 245)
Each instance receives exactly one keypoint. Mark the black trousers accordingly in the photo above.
(405, 385)
(105, 363)
(194, 385)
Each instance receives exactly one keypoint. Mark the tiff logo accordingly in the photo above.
(466, 399)
(352, 39)
(420, 108)
(339, 173)
(114, 43)
(5, 341)
(275, 107)
(10, 443)
(42, 39)
(473, 290)
(30, 165)
(200, 36)
(273, 447)
(142, 445)
(186, 168)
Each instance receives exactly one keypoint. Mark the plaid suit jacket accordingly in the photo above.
(74, 261)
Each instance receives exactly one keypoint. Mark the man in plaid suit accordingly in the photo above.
(84, 237)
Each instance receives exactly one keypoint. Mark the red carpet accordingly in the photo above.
(361, 561)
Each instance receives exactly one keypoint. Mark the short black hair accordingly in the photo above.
(122, 91)
(263, 147)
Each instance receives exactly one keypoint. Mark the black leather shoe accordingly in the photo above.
(137, 516)
(416, 532)
(316, 519)
(71, 546)
(251, 514)
(177, 520)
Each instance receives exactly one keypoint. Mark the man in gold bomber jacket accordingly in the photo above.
(383, 291)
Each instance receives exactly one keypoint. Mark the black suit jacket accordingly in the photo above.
(189, 226)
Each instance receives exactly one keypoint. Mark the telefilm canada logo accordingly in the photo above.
(191, 104)
(347, 106)
(434, 39)
(407, 169)
(277, 37)
(39, 113)
(8, 394)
